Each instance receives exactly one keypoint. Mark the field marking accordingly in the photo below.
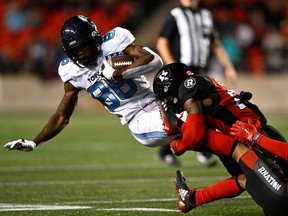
(4, 207)
(137, 201)
(8, 207)
(138, 209)
(110, 181)
(21, 207)
(121, 201)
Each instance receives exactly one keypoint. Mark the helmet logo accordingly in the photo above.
(163, 76)
(83, 18)
(190, 82)
(93, 34)
(86, 19)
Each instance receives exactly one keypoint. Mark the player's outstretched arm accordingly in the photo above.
(223, 58)
(56, 123)
(247, 133)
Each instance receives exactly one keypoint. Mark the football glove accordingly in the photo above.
(21, 145)
(245, 133)
(172, 124)
(107, 71)
(173, 146)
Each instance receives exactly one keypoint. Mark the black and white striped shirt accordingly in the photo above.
(191, 34)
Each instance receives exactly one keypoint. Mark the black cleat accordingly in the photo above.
(184, 192)
(206, 159)
(169, 160)
(166, 155)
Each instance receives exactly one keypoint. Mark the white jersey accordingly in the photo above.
(123, 98)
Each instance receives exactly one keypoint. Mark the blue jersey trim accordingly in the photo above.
(149, 135)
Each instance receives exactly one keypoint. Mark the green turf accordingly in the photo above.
(97, 164)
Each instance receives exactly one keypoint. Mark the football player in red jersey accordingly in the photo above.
(211, 105)
(175, 84)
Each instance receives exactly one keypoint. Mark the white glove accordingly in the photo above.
(106, 70)
(21, 144)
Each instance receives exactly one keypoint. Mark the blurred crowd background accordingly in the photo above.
(253, 32)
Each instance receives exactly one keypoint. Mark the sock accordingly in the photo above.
(227, 188)
(249, 159)
(220, 143)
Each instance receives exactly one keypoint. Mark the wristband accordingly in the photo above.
(254, 140)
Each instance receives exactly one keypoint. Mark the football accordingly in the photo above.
(121, 61)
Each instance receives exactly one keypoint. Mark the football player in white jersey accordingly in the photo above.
(123, 92)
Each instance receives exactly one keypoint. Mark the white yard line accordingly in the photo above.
(4, 207)
(139, 209)
(121, 201)
(137, 201)
(21, 207)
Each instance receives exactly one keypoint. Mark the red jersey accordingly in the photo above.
(226, 107)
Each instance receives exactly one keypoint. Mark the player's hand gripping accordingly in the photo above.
(245, 133)
(106, 70)
(21, 145)
(172, 124)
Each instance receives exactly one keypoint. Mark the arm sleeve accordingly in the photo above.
(276, 147)
(193, 135)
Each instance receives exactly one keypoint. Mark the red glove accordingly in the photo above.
(172, 124)
(245, 133)
(174, 146)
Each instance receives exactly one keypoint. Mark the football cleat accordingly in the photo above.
(166, 155)
(169, 160)
(184, 193)
(206, 159)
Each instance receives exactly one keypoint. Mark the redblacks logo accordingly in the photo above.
(190, 82)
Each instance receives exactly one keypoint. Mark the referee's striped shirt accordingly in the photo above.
(190, 34)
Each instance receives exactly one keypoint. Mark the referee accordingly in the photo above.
(188, 36)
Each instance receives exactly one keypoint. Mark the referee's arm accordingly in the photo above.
(164, 50)
(222, 56)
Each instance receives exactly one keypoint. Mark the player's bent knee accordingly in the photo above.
(266, 183)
